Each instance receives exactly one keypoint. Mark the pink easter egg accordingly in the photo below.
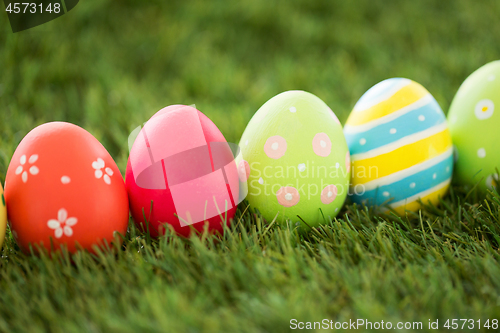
(181, 173)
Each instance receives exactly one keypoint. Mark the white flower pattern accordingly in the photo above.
(32, 170)
(106, 175)
(63, 224)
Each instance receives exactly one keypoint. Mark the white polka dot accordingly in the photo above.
(337, 165)
(481, 153)
(412, 185)
(491, 77)
(393, 131)
(492, 181)
(330, 193)
(302, 167)
(261, 181)
(246, 143)
(65, 180)
(421, 117)
(288, 196)
(322, 144)
(484, 109)
(434, 176)
(386, 194)
(293, 109)
(275, 146)
(362, 141)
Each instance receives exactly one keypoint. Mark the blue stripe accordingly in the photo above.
(401, 189)
(405, 125)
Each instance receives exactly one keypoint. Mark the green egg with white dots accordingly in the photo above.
(474, 122)
(297, 160)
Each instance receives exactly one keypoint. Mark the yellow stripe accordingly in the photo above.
(415, 205)
(401, 158)
(405, 96)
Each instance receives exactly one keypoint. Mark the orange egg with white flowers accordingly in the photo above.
(64, 189)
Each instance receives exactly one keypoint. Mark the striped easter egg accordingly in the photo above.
(401, 149)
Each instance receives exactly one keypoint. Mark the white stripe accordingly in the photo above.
(401, 142)
(349, 129)
(373, 97)
(397, 176)
(420, 195)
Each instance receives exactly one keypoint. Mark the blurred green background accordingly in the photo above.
(109, 65)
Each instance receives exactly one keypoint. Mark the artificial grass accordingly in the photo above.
(257, 277)
(108, 66)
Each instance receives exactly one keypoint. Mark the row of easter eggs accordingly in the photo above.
(63, 188)
(294, 162)
(396, 148)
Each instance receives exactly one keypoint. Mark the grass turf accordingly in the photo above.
(109, 66)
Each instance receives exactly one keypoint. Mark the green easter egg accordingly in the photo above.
(474, 121)
(298, 159)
